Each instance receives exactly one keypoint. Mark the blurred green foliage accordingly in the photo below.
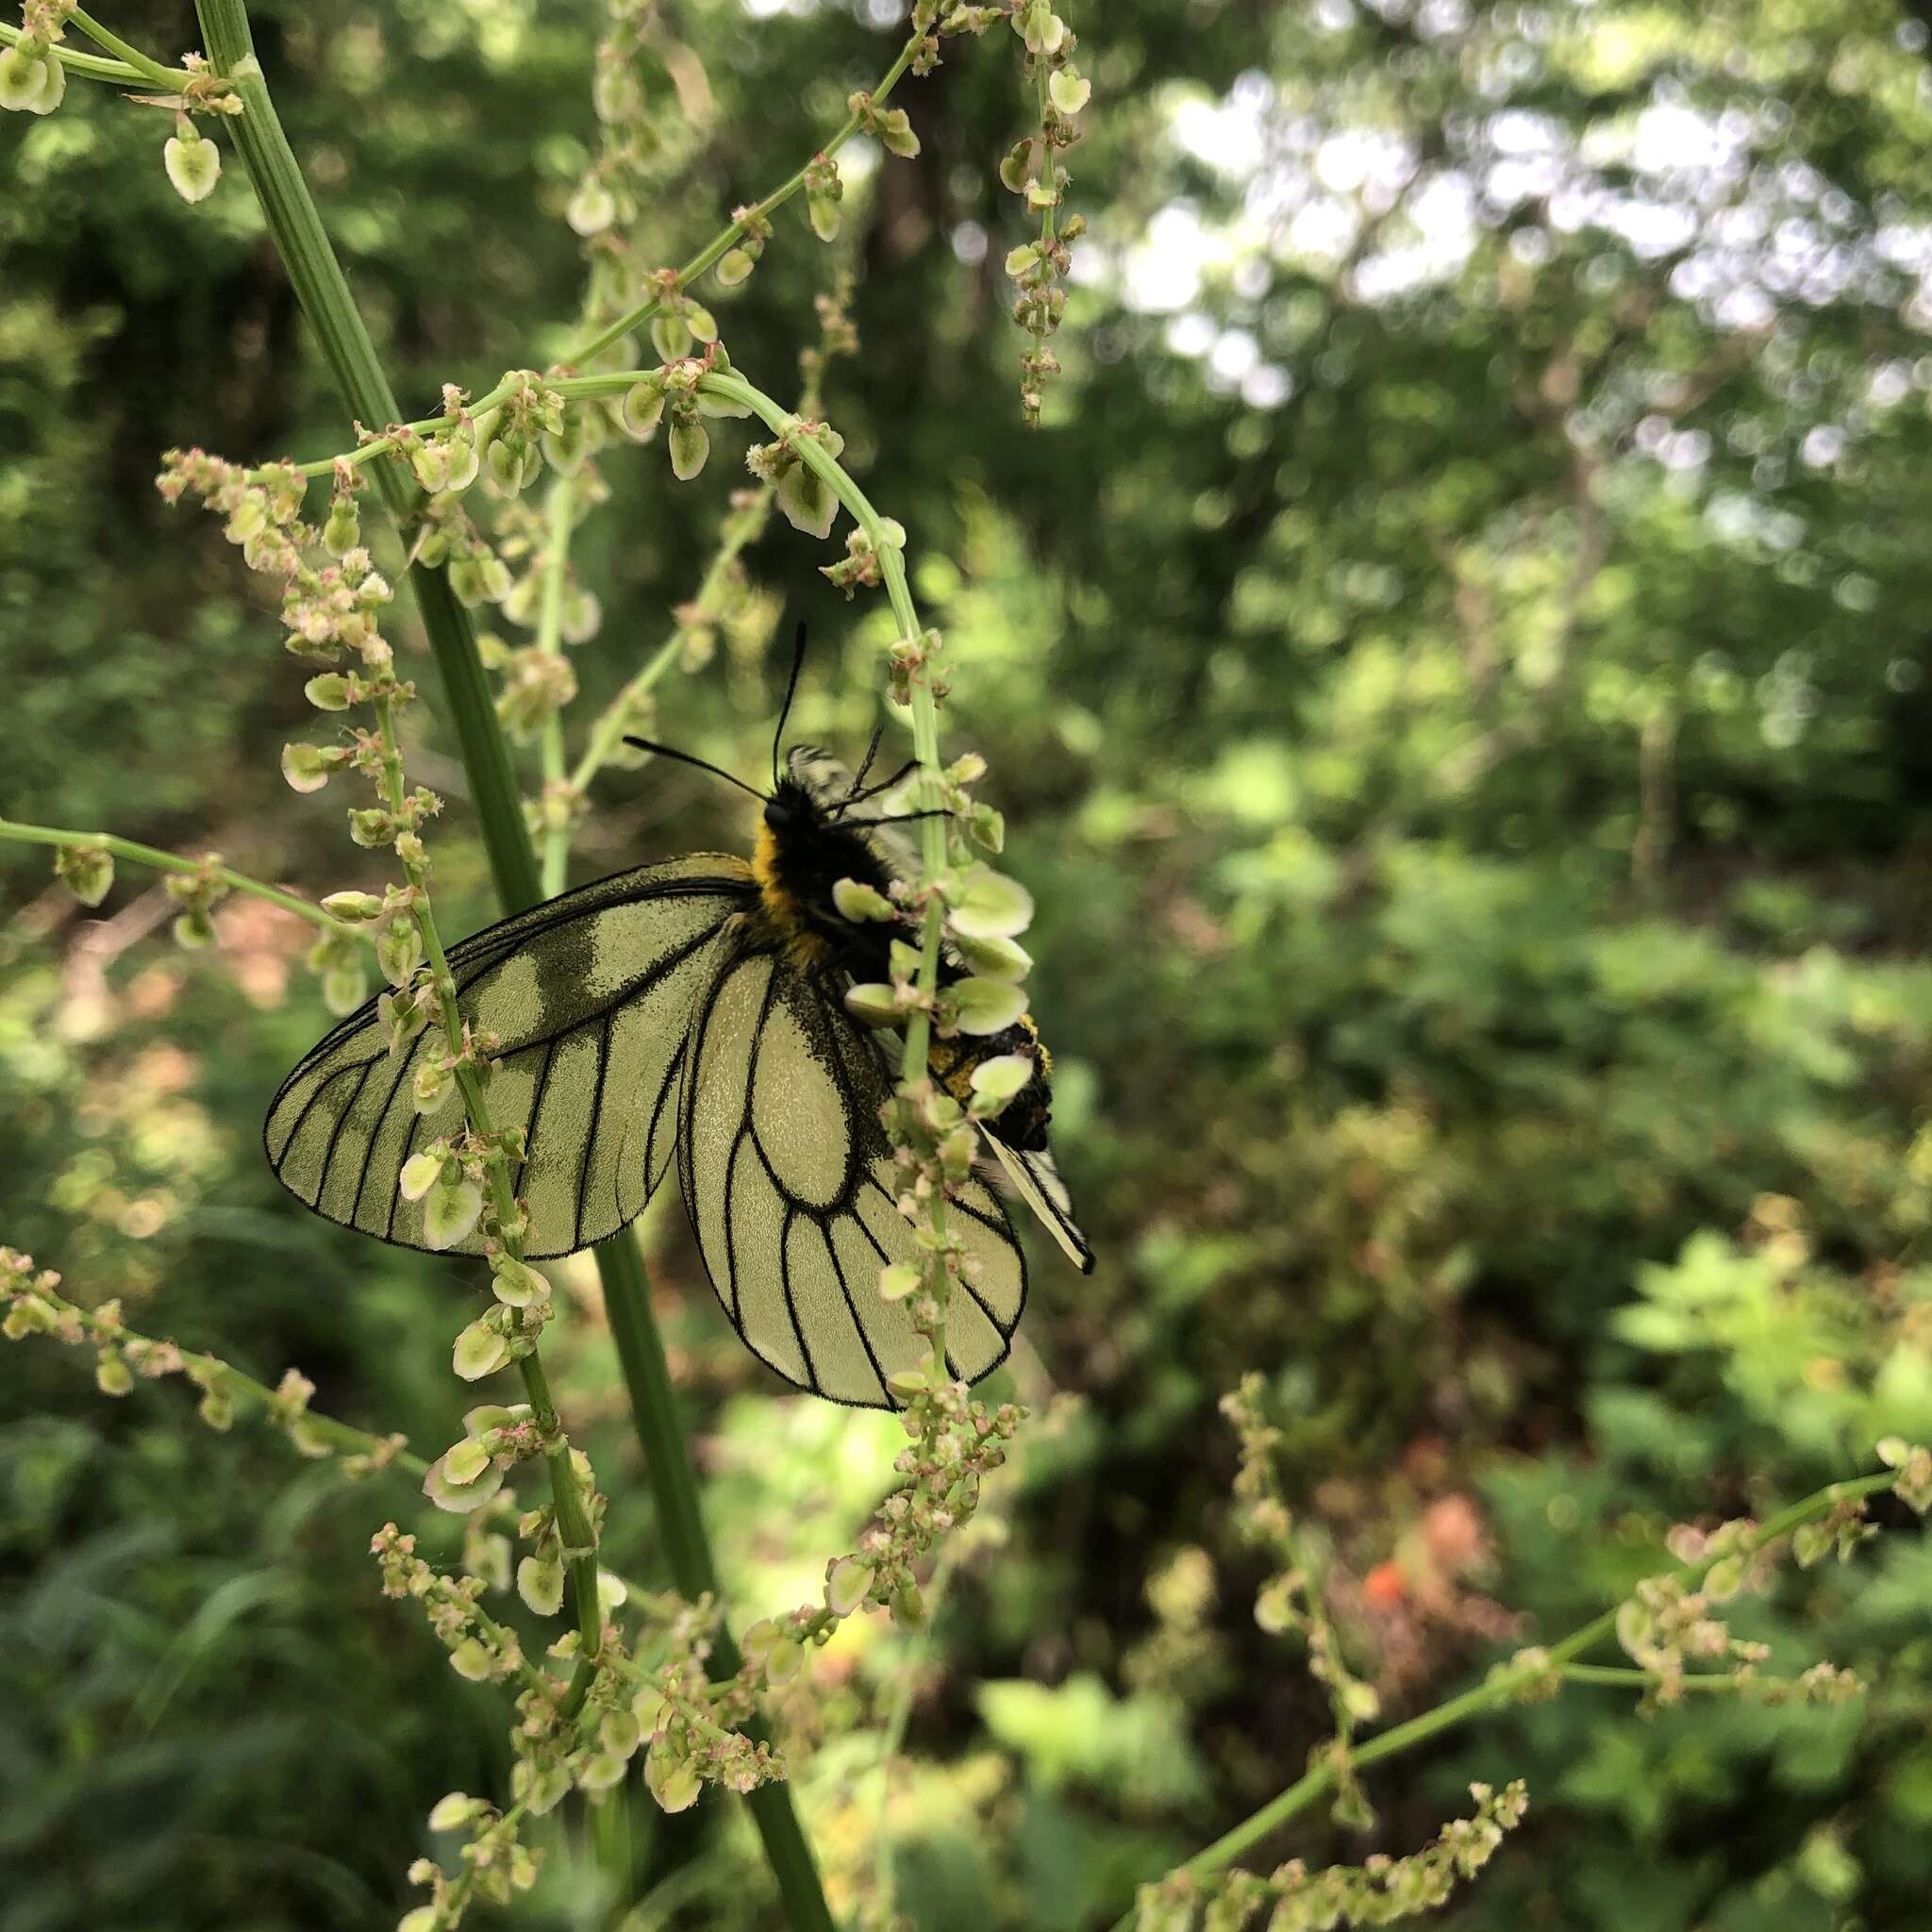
(1453, 667)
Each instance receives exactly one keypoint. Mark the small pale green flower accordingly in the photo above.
(874, 1004)
(807, 500)
(450, 1213)
(847, 1586)
(986, 905)
(479, 1351)
(539, 1583)
(1002, 1076)
(194, 162)
(89, 870)
(1067, 92)
(690, 445)
(898, 1280)
(421, 1172)
(982, 1007)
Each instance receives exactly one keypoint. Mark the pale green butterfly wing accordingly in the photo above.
(1036, 1180)
(788, 1179)
(592, 995)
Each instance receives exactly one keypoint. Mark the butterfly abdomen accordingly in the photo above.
(1023, 1121)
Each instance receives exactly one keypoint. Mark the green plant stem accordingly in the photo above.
(173, 862)
(610, 1842)
(572, 1521)
(91, 67)
(1647, 1680)
(296, 228)
(1500, 1688)
(728, 237)
(150, 72)
(898, 1717)
(556, 572)
(687, 1550)
(733, 387)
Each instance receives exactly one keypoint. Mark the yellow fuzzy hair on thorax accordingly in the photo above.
(782, 911)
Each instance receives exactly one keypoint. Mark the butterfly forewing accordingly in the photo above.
(590, 995)
(788, 1176)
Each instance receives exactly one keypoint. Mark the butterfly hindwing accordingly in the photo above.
(590, 995)
(788, 1181)
(1032, 1175)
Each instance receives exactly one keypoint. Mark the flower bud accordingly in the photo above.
(464, 1462)
(539, 1583)
(194, 162)
(31, 82)
(194, 930)
(847, 1586)
(873, 1004)
(343, 531)
(399, 951)
(303, 767)
(1000, 1079)
(690, 446)
(591, 208)
(352, 905)
(505, 462)
(89, 870)
(453, 1811)
(369, 825)
(643, 408)
(898, 1280)
(461, 460)
(807, 500)
(472, 1660)
(994, 959)
(421, 1172)
(480, 1350)
(986, 905)
(620, 1733)
(857, 902)
(345, 987)
(329, 692)
(983, 1006)
(1016, 166)
(515, 1283)
(1067, 92)
(432, 464)
(673, 1783)
(450, 1213)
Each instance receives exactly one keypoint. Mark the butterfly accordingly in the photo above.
(694, 1011)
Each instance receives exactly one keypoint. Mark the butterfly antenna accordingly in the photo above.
(685, 757)
(853, 798)
(872, 751)
(790, 690)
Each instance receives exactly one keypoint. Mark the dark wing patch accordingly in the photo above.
(592, 995)
(787, 1176)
